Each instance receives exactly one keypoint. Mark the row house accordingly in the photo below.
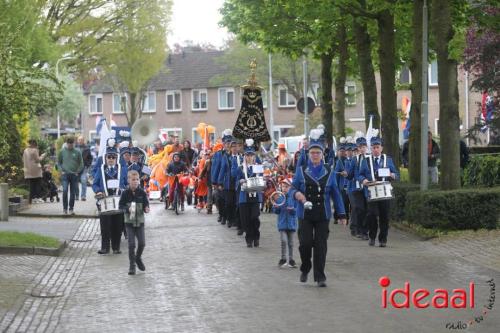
(183, 95)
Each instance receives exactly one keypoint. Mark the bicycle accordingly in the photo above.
(177, 200)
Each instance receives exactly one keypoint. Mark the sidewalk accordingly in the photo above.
(47, 218)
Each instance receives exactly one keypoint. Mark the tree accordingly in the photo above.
(293, 28)
(72, 100)
(137, 50)
(443, 29)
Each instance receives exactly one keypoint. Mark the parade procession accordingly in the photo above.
(248, 166)
(236, 178)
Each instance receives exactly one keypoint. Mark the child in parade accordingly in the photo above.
(134, 203)
(287, 223)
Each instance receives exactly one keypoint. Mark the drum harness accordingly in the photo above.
(371, 166)
(104, 177)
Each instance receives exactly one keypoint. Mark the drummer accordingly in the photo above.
(249, 202)
(109, 180)
(373, 169)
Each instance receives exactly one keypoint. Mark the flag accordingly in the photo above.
(105, 135)
(487, 109)
(405, 125)
(98, 124)
(369, 133)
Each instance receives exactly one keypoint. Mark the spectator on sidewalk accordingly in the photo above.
(87, 162)
(33, 171)
(434, 153)
(70, 163)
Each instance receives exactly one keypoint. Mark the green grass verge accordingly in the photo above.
(429, 233)
(27, 239)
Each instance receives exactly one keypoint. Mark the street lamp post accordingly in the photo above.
(57, 77)
(424, 176)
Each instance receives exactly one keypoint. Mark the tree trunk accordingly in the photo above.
(449, 120)
(367, 74)
(339, 112)
(386, 52)
(326, 96)
(416, 93)
(133, 109)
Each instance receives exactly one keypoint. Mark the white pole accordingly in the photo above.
(467, 104)
(270, 101)
(306, 115)
(424, 122)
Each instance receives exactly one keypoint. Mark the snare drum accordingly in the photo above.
(254, 184)
(379, 191)
(109, 205)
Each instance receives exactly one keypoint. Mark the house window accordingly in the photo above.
(350, 93)
(119, 103)
(226, 98)
(149, 102)
(280, 131)
(199, 98)
(95, 104)
(286, 99)
(174, 101)
(405, 75)
(433, 73)
(92, 136)
(171, 131)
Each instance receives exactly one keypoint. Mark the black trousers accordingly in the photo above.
(249, 216)
(35, 188)
(358, 215)
(345, 199)
(219, 201)
(111, 230)
(313, 234)
(230, 206)
(378, 209)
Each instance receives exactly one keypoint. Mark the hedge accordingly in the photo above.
(483, 170)
(400, 192)
(459, 209)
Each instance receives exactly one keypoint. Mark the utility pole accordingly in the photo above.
(306, 115)
(57, 77)
(270, 101)
(424, 173)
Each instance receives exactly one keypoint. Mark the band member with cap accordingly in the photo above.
(228, 183)
(216, 168)
(314, 186)
(136, 164)
(110, 180)
(356, 192)
(249, 202)
(340, 174)
(369, 172)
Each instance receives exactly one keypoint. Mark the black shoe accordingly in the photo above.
(223, 222)
(364, 237)
(321, 284)
(303, 277)
(256, 243)
(292, 263)
(353, 233)
(282, 262)
(249, 244)
(229, 225)
(371, 242)
(240, 232)
(117, 251)
(219, 219)
(57, 199)
(103, 251)
(131, 270)
(140, 264)
(383, 244)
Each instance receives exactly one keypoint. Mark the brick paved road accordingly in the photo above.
(201, 278)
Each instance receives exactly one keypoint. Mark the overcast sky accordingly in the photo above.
(196, 20)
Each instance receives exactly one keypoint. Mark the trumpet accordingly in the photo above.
(277, 198)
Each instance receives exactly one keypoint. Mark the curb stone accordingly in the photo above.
(33, 250)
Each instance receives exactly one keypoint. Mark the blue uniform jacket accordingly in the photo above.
(237, 173)
(352, 175)
(287, 218)
(215, 167)
(341, 165)
(365, 173)
(331, 192)
(224, 178)
(98, 185)
(98, 163)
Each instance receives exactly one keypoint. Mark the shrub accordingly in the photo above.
(400, 192)
(459, 209)
(483, 170)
